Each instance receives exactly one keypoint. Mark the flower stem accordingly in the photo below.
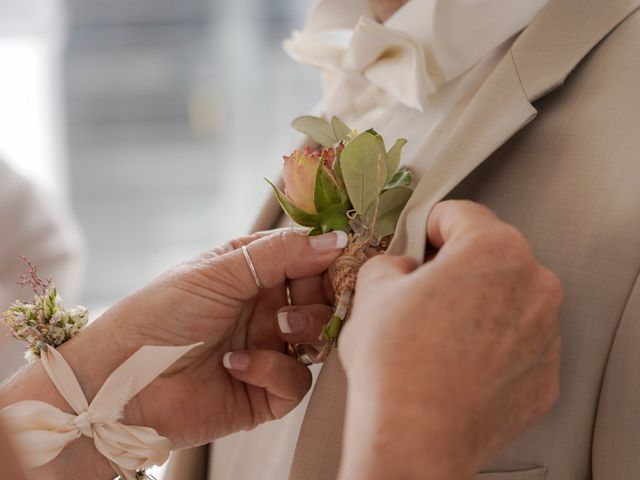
(331, 331)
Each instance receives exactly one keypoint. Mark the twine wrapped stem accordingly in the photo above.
(344, 274)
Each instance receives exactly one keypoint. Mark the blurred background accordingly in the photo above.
(154, 120)
(135, 134)
(175, 111)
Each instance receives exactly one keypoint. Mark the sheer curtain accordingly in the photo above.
(31, 120)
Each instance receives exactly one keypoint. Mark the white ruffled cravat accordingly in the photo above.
(41, 431)
(424, 45)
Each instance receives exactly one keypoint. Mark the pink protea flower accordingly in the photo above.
(299, 174)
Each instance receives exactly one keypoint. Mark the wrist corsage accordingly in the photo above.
(45, 321)
(41, 431)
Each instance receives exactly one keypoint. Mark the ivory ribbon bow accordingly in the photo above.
(41, 430)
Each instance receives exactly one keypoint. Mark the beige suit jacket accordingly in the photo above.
(551, 142)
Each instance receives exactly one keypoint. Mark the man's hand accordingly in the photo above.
(449, 361)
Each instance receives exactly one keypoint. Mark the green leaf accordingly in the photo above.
(364, 170)
(315, 231)
(294, 213)
(326, 193)
(340, 129)
(337, 172)
(335, 219)
(402, 178)
(392, 202)
(317, 128)
(393, 157)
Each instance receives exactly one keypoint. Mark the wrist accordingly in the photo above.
(92, 355)
(80, 456)
(394, 439)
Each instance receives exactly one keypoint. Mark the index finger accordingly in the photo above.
(452, 218)
(276, 258)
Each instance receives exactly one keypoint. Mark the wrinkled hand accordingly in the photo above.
(214, 299)
(448, 361)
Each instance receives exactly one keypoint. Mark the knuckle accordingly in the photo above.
(505, 238)
(469, 206)
(233, 244)
(477, 208)
(512, 241)
(278, 241)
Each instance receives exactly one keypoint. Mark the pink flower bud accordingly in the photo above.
(300, 169)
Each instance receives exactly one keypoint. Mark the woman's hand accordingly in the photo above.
(214, 299)
(209, 392)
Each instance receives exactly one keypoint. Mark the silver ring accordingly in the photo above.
(302, 356)
(252, 267)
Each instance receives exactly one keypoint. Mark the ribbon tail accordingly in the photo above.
(64, 379)
(130, 447)
(140, 369)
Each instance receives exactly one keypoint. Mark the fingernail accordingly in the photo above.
(236, 361)
(292, 322)
(329, 241)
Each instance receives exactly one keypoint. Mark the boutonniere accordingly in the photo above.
(351, 182)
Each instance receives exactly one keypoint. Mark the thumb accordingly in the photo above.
(277, 257)
(385, 266)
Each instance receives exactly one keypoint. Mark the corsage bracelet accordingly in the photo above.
(41, 431)
(351, 182)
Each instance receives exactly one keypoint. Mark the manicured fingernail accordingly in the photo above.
(236, 361)
(329, 241)
(292, 322)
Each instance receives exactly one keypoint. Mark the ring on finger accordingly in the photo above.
(252, 268)
(296, 351)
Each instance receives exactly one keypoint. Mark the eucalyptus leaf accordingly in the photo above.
(334, 219)
(294, 213)
(364, 169)
(337, 173)
(326, 194)
(317, 128)
(402, 178)
(393, 157)
(392, 202)
(340, 129)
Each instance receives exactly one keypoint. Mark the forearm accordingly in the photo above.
(92, 356)
(11, 465)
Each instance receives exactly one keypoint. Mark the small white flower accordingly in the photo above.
(44, 322)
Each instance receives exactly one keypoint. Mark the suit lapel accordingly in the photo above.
(539, 62)
(495, 113)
